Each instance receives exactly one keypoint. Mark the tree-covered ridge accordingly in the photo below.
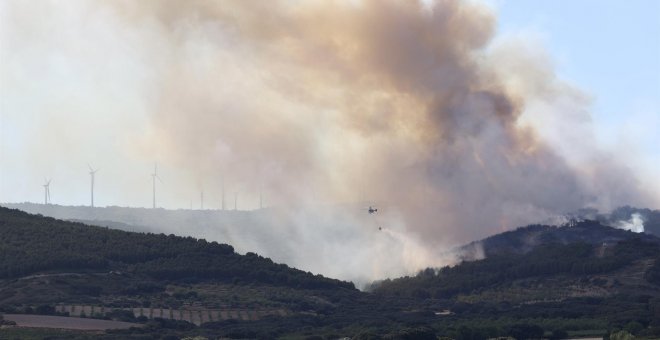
(573, 259)
(525, 239)
(518, 294)
(31, 244)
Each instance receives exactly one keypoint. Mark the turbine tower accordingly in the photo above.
(154, 176)
(223, 192)
(92, 172)
(202, 197)
(47, 192)
(235, 200)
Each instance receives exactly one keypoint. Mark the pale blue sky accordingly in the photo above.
(609, 49)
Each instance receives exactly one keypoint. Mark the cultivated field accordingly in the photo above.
(196, 316)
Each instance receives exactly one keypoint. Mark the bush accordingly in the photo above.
(559, 334)
(621, 335)
(367, 335)
(526, 331)
(45, 310)
(421, 333)
(121, 315)
(633, 327)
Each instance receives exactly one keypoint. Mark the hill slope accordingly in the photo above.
(525, 239)
(584, 280)
(589, 272)
(581, 248)
(299, 237)
(31, 244)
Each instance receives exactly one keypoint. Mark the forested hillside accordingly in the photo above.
(546, 260)
(525, 239)
(31, 244)
(585, 280)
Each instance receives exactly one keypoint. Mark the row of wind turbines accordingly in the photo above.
(154, 177)
(92, 173)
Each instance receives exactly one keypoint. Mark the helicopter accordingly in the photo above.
(372, 211)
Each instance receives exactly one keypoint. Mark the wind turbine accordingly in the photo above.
(92, 172)
(47, 192)
(223, 192)
(154, 176)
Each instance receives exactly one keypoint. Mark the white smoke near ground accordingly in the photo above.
(409, 105)
(635, 224)
(626, 218)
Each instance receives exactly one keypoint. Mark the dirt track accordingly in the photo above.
(63, 322)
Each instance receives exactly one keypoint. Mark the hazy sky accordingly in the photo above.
(49, 57)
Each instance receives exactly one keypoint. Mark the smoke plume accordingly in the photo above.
(401, 103)
(412, 106)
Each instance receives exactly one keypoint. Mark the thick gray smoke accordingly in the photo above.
(398, 102)
(409, 105)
